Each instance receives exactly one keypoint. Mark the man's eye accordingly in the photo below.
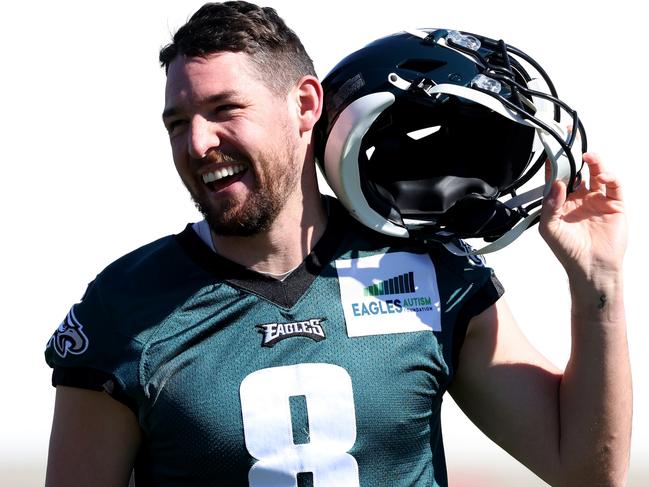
(225, 108)
(175, 126)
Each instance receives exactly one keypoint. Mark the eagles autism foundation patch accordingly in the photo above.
(389, 293)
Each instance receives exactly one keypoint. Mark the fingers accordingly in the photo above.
(601, 180)
(594, 169)
(613, 189)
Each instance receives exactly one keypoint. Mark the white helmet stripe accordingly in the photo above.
(342, 155)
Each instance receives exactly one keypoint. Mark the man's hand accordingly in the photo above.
(571, 427)
(587, 229)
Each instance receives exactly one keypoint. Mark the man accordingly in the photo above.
(222, 355)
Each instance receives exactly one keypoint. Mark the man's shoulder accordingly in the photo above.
(101, 339)
(139, 289)
(156, 255)
(152, 268)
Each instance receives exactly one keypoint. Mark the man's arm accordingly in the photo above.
(94, 440)
(571, 427)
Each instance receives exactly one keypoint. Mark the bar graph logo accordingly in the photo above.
(394, 292)
(401, 284)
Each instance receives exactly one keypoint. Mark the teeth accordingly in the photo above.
(222, 173)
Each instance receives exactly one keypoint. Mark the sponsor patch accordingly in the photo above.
(276, 332)
(389, 293)
(69, 337)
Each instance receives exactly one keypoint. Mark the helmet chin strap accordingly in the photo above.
(507, 238)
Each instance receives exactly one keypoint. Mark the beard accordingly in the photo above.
(233, 219)
(275, 177)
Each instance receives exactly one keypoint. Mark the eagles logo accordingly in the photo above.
(69, 337)
(276, 332)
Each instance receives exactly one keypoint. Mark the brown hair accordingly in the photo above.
(243, 27)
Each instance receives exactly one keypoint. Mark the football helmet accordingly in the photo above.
(431, 134)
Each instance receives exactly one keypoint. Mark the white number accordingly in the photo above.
(269, 434)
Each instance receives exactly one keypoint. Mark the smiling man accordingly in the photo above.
(237, 352)
(240, 174)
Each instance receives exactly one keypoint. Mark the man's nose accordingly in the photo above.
(202, 136)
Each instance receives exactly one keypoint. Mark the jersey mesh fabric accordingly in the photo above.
(175, 331)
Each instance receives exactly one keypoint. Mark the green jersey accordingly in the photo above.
(333, 376)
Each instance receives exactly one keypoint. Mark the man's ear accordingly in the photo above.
(309, 98)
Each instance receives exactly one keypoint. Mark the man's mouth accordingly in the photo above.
(223, 176)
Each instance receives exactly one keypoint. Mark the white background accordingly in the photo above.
(87, 173)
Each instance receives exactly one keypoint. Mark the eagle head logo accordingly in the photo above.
(69, 337)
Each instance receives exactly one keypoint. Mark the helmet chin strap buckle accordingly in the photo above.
(422, 86)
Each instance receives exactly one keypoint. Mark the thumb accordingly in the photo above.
(552, 203)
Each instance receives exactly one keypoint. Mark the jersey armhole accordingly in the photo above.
(94, 380)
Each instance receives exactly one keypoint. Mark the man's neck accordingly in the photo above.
(285, 245)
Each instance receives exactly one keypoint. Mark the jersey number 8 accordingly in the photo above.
(268, 427)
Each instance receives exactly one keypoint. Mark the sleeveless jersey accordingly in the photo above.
(332, 377)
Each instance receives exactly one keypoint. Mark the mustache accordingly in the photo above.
(218, 157)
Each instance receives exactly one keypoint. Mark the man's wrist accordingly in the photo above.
(598, 297)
